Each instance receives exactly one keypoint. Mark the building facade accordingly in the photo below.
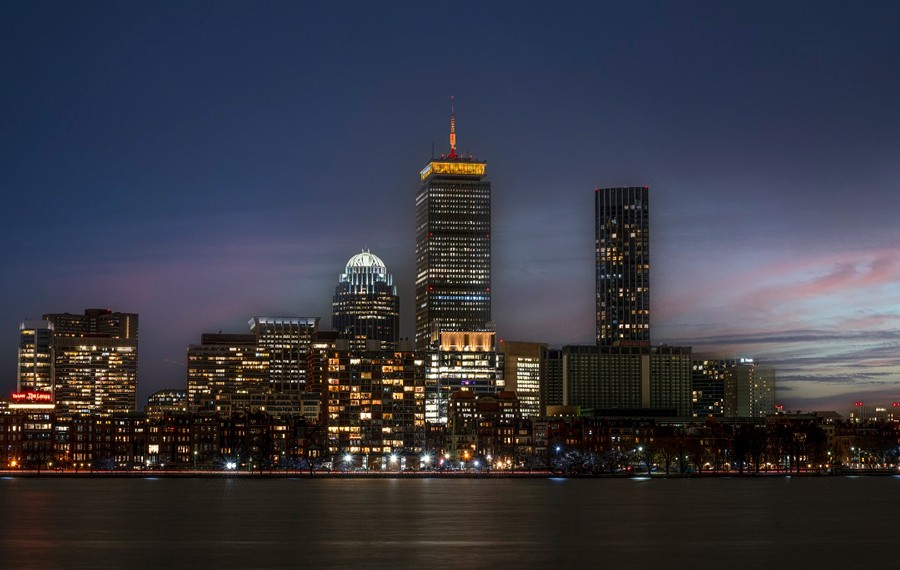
(525, 374)
(623, 265)
(749, 390)
(374, 404)
(603, 378)
(224, 368)
(453, 247)
(95, 361)
(462, 361)
(286, 340)
(35, 370)
(708, 386)
(365, 306)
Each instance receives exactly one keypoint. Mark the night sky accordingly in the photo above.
(202, 163)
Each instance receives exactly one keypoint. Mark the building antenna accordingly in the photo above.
(432, 150)
(452, 130)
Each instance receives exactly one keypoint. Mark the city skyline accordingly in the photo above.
(156, 184)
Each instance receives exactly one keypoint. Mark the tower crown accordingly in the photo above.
(453, 164)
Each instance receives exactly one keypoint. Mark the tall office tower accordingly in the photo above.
(95, 361)
(375, 404)
(749, 390)
(524, 372)
(225, 367)
(623, 266)
(453, 247)
(286, 340)
(35, 371)
(462, 361)
(366, 306)
(628, 378)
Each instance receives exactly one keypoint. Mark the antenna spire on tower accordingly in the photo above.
(452, 130)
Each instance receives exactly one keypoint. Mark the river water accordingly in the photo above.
(800, 522)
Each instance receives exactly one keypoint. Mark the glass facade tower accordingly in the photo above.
(623, 266)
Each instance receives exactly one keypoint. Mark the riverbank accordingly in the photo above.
(202, 474)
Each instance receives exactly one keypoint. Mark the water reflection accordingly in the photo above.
(537, 523)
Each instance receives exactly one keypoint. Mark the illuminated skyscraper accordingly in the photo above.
(286, 340)
(95, 359)
(366, 305)
(623, 266)
(35, 372)
(453, 247)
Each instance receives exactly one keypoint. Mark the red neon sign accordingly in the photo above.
(32, 397)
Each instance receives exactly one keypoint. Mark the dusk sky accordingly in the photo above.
(203, 163)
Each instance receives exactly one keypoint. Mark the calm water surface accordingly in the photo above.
(371, 523)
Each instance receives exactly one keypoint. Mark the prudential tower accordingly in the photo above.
(453, 246)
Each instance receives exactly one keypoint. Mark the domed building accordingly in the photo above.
(366, 305)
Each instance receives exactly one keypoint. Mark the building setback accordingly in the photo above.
(453, 247)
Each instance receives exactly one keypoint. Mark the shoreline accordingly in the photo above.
(225, 474)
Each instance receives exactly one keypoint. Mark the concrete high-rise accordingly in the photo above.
(225, 368)
(453, 247)
(750, 390)
(628, 378)
(365, 305)
(622, 249)
(95, 361)
(286, 340)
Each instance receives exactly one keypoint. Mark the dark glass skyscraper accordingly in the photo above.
(366, 306)
(623, 266)
(453, 247)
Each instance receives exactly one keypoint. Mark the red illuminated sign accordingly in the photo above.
(32, 397)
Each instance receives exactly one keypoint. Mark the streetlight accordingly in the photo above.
(348, 461)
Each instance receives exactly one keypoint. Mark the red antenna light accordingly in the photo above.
(452, 130)
(857, 404)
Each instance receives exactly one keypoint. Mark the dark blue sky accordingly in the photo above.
(203, 163)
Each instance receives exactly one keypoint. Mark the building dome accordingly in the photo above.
(365, 259)
(365, 305)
